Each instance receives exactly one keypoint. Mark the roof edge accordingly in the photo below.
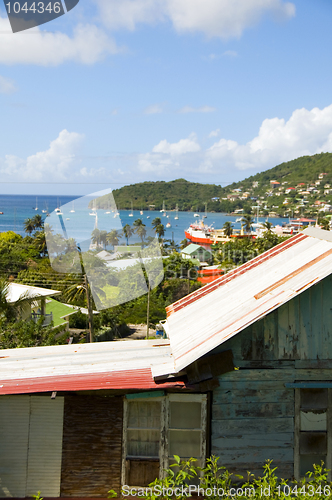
(319, 233)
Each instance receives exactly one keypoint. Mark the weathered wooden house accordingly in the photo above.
(244, 374)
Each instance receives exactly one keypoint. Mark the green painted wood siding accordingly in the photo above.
(298, 330)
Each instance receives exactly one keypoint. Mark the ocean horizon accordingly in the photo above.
(17, 208)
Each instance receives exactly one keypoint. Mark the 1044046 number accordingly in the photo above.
(35, 7)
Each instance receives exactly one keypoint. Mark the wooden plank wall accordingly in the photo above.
(253, 421)
(253, 417)
(91, 456)
(298, 330)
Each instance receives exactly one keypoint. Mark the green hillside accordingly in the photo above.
(305, 175)
(188, 195)
(304, 169)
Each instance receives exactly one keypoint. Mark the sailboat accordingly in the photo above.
(58, 210)
(94, 211)
(73, 209)
(36, 203)
(45, 210)
(131, 213)
(177, 212)
(108, 208)
(205, 215)
(163, 209)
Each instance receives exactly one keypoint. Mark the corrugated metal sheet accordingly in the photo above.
(207, 318)
(17, 291)
(102, 365)
(45, 446)
(14, 436)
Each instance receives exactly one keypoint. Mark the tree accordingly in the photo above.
(140, 229)
(103, 238)
(29, 226)
(228, 229)
(268, 226)
(160, 230)
(29, 334)
(247, 222)
(95, 236)
(112, 238)
(156, 222)
(40, 242)
(128, 232)
(37, 221)
(324, 224)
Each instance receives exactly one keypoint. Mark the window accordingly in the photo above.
(312, 433)
(157, 428)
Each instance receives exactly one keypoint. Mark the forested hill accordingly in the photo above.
(300, 175)
(188, 195)
(305, 169)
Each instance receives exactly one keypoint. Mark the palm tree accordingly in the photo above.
(268, 226)
(156, 222)
(140, 229)
(112, 238)
(29, 226)
(247, 222)
(324, 224)
(37, 221)
(160, 230)
(128, 232)
(228, 229)
(95, 236)
(103, 238)
(40, 242)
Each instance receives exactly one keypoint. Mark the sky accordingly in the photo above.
(117, 92)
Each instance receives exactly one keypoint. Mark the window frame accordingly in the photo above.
(164, 428)
(297, 432)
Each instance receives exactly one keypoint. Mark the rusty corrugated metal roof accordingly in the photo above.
(203, 320)
(101, 365)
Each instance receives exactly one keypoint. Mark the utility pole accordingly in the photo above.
(90, 313)
(148, 312)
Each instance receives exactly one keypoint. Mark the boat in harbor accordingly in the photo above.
(199, 233)
(177, 212)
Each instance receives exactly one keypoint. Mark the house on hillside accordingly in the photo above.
(35, 305)
(196, 252)
(245, 374)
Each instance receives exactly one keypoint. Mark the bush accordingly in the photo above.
(216, 482)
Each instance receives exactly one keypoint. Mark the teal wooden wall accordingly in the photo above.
(253, 418)
(300, 329)
(252, 410)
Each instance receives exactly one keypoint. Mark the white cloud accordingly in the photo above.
(214, 133)
(220, 18)
(305, 133)
(224, 18)
(53, 164)
(153, 109)
(87, 45)
(189, 145)
(128, 13)
(202, 109)
(7, 86)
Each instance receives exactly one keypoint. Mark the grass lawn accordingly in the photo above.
(58, 309)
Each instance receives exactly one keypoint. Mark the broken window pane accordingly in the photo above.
(313, 421)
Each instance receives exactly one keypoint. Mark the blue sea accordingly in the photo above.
(17, 208)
